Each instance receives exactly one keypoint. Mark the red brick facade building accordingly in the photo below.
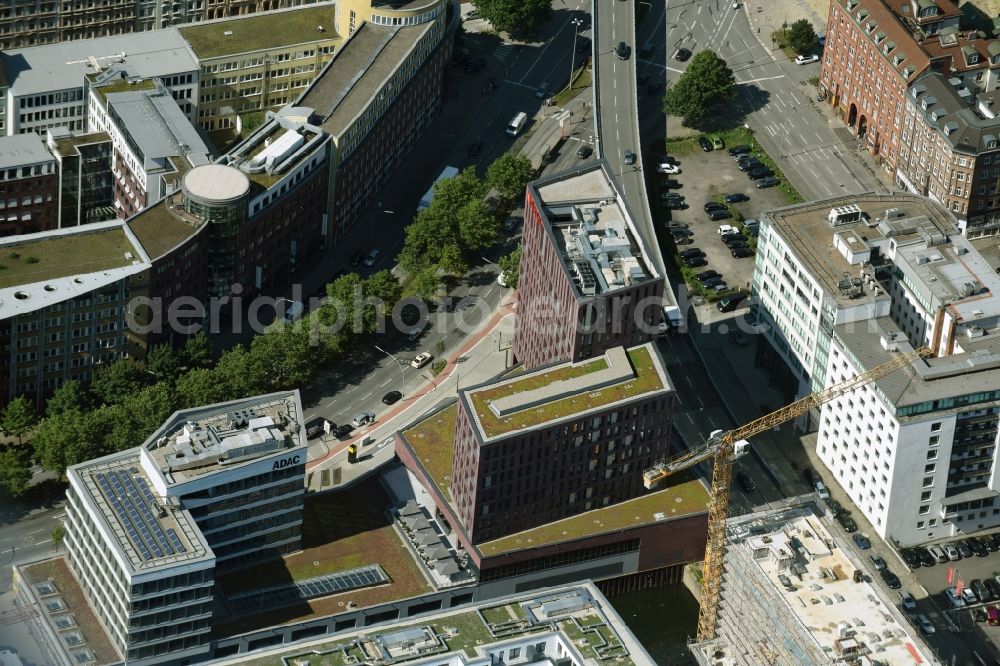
(29, 182)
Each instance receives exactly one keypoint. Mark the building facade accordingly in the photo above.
(586, 282)
(86, 184)
(147, 529)
(28, 186)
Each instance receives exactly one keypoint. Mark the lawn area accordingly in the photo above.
(502, 614)
(340, 531)
(684, 496)
(63, 256)
(69, 590)
(734, 137)
(433, 441)
(581, 81)
(241, 35)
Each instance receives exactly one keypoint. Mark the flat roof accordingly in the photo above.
(23, 150)
(815, 241)
(159, 230)
(53, 266)
(534, 399)
(51, 67)
(346, 86)
(774, 543)
(275, 148)
(589, 223)
(197, 442)
(266, 30)
(69, 145)
(158, 127)
(576, 621)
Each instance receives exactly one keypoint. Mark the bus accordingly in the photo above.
(425, 201)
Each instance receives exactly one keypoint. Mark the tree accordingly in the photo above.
(519, 18)
(508, 175)
(799, 36)
(18, 417)
(15, 470)
(384, 286)
(510, 264)
(197, 352)
(478, 226)
(113, 383)
(283, 357)
(58, 534)
(200, 386)
(237, 376)
(67, 439)
(69, 396)
(164, 362)
(427, 283)
(705, 85)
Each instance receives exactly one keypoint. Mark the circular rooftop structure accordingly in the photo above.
(216, 184)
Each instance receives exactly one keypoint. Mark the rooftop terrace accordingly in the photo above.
(270, 30)
(159, 229)
(567, 390)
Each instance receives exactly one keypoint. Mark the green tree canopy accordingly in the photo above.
(800, 36)
(68, 438)
(478, 225)
(518, 18)
(18, 417)
(164, 362)
(69, 396)
(200, 386)
(510, 264)
(283, 357)
(508, 175)
(197, 352)
(701, 89)
(115, 382)
(15, 470)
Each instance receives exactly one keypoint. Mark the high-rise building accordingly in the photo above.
(586, 281)
(86, 184)
(147, 529)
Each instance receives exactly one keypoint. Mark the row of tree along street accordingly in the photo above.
(126, 402)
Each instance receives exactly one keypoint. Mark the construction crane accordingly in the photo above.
(724, 447)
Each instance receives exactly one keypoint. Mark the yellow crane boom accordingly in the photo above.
(722, 448)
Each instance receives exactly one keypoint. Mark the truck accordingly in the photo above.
(425, 201)
(516, 124)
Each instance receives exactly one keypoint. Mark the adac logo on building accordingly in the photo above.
(287, 462)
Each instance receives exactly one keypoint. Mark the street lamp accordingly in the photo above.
(576, 23)
(399, 364)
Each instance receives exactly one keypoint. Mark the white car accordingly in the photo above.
(502, 279)
(954, 599)
(806, 59)
(969, 596)
(821, 491)
(422, 359)
(907, 601)
(951, 552)
(926, 625)
(725, 230)
(666, 167)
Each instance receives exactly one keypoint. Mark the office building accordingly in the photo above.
(789, 598)
(842, 290)
(28, 186)
(147, 529)
(874, 52)
(86, 184)
(586, 280)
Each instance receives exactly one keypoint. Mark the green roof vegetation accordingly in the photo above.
(67, 144)
(646, 379)
(64, 256)
(123, 85)
(432, 440)
(159, 230)
(255, 33)
(685, 495)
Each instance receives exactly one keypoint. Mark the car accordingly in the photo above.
(810, 476)
(470, 15)
(937, 552)
(679, 231)
(734, 238)
(317, 427)
(680, 239)
(910, 557)
(664, 196)
(712, 283)
(862, 542)
(926, 626)
(745, 481)
(908, 603)
(584, 152)
(926, 559)
(891, 580)
(738, 338)
(705, 275)
(421, 359)
(713, 205)
(623, 51)
(992, 542)
(391, 397)
(362, 419)
(692, 252)
(670, 184)
(677, 225)
(969, 596)
(951, 552)
(735, 197)
(759, 172)
(749, 164)
(806, 59)
(717, 142)
(993, 586)
(372, 257)
(474, 148)
(832, 504)
(721, 288)
(695, 262)
(705, 144)
(847, 523)
(963, 548)
(954, 598)
(475, 65)
(823, 493)
(765, 182)
(982, 591)
(730, 303)
(750, 223)
(978, 547)
(682, 55)
(357, 258)
(719, 214)
(654, 85)
(629, 157)
(726, 230)
(741, 149)
(979, 615)
(666, 167)
(673, 204)
(741, 252)
(543, 91)
(669, 159)
(878, 562)
(344, 430)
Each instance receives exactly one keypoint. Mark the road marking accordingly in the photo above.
(763, 78)
(700, 402)
(803, 139)
(367, 395)
(385, 383)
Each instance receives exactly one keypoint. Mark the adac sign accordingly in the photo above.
(287, 462)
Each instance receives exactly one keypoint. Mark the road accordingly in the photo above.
(26, 540)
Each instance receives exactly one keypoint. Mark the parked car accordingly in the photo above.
(682, 239)
(719, 214)
(822, 492)
(907, 601)
(475, 65)
(978, 547)
(474, 148)
(736, 197)
(678, 226)
(584, 152)
(741, 252)
(344, 430)
(721, 288)
(730, 303)
(910, 557)
(706, 275)
(747, 165)
(391, 397)
(926, 559)
(670, 184)
(713, 205)
(992, 542)
(925, 624)
(969, 596)
(629, 157)
(766, 181)
(682, 55)
(982, 591)
(717, 142)
(695, 262)
(372, 257)
(357, 258)
(951, 552)
(666, 167)
(862, 542)
(705, 144)
(954, 599)
(741, 149)
(691, 252)
(667, 196)
(363, 418)
(878, 562)
(674, 204)
(421, 359)
(317, 427)
(809, 474)
(891, 580)
(746, 482)
(993, 586)
(847, 523)
(937, 552)
(963, 548)
(734, 240)
(759, 172)
(806, 59)
(709, 283)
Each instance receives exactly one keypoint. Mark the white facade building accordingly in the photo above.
(915, 450)
(147, 528)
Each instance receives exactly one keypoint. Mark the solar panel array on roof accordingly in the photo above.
(131, 497)
(280, 595)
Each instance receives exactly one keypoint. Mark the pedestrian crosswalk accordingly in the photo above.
(504, 51)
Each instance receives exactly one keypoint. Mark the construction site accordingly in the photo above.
(792, 595)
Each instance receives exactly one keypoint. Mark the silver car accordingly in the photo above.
(363, 419)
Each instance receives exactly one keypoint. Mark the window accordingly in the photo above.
(929, 469)
(925, 496)
(934, 440)
(925, 509)
(935, 427)
(932, 454)
(920, 524)
(928, 481)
